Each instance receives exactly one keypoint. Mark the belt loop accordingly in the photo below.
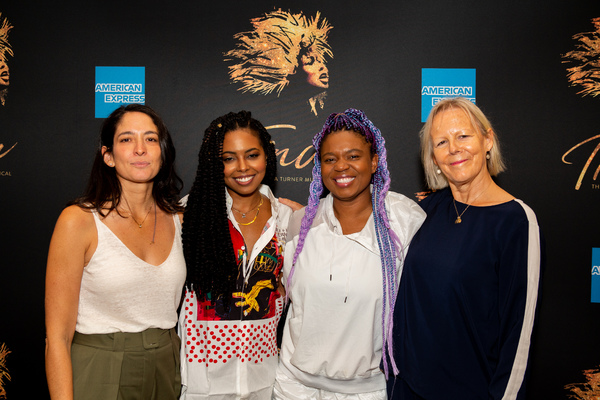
(150, 338)
(118, 341)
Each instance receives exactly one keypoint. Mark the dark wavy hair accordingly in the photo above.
(103, 185)
(207, 246)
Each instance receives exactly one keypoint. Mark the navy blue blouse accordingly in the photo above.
(467, 298)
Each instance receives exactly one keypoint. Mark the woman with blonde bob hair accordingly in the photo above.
(466, 304)
(495, 163)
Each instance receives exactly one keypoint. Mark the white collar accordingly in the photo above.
(263, 189)
(366, 237)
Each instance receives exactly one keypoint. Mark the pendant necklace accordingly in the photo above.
(244, 214)
(458, 219)
(142, 223)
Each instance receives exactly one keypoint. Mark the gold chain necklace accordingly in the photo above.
(135, 220)
(458, 219)
(148, 213)
(244, 214)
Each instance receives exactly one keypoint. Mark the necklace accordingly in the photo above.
(244, 213)
(140, 224)
(148, 213)
(255, 215)
(458, 219)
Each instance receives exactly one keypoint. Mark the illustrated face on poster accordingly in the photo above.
(282, 49)
(316, 71)
(5, 50)
(584, 72)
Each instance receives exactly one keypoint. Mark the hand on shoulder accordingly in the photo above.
(291, 203)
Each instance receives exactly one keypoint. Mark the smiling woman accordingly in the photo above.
(459, 150)
(244, 163)
(347, 165)
(342, 263)
(234, 235)
(471, 303)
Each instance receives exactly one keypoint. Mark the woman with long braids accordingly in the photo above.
(342, 267)
(233, 236)
(116, 270)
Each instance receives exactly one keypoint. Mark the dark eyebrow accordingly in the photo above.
(347, 151)
(247, 151)
(131, 133)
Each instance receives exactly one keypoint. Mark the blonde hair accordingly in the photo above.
(266, 56)
(479, 121)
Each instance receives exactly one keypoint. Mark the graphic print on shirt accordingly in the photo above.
(250, 298)
(248, 329)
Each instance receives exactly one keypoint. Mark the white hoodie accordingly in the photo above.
(332, 338)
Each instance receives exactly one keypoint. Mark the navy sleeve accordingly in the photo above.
(519, 277)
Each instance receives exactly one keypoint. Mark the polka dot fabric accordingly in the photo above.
(212, 342)
(229, 359)
(233, 355)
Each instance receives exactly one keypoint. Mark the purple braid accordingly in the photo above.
(390, 247)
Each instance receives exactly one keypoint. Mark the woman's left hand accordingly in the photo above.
(280, 287)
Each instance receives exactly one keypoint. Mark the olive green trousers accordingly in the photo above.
(126, 366)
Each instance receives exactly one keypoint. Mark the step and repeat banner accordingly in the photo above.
(533, 67)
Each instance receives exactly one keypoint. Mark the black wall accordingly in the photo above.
(379, 50)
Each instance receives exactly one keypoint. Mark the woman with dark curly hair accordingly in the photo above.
(116, 270)
(233, 238)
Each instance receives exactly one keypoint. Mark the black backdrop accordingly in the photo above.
(379, 50)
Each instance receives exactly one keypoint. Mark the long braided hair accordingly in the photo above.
(390, 248)
(207, 246)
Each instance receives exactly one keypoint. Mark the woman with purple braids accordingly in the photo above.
(343, 260)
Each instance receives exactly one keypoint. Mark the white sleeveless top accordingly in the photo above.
(122, 293)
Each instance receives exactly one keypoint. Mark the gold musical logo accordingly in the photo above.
(303, 159)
